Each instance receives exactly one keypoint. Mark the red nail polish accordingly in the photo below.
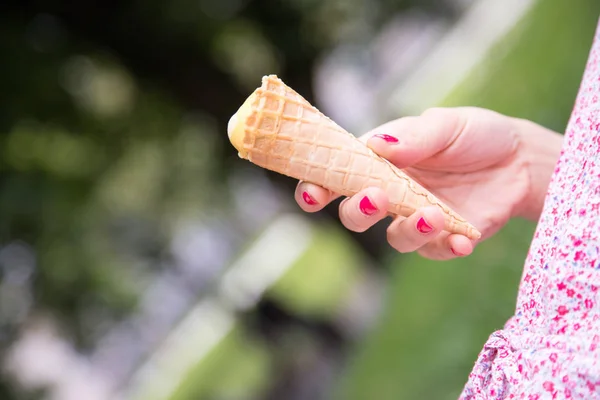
(387, 138)
(423, 226)
(308, 199)
(366, 207)
(456, 253)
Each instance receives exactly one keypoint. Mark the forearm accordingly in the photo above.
(540, 151)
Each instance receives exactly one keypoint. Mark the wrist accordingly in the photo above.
(539, 152)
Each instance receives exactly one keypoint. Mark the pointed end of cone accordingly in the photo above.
(474, 233)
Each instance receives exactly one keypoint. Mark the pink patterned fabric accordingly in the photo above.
(550, 348)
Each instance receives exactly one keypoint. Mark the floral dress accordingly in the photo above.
(550, 348)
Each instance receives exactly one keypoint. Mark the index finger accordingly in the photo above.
(312, 198)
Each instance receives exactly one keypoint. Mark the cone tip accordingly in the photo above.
(475, 234)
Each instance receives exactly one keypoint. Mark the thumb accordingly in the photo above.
(410, 140)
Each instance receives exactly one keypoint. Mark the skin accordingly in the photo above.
(487, 166)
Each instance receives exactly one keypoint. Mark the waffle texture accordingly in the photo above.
(284, 133)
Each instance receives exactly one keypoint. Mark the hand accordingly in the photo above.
(476, 161)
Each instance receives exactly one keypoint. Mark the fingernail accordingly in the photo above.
(308, 199)
(423, 226)
(456, 253)
(387, 138)
(366, 207)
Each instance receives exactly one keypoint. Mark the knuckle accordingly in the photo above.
(426, 253)
(348, 217)
(434, 112)
(449, 116)
(430, 252)
(453, 120)
(352, 226)
(394, 240)
(430, 255)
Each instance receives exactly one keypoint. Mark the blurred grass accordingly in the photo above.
(315, 286)
(319, 281)
(439, 315)
(535, 71)
(237, 368)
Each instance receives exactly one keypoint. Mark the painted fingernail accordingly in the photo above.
(366, 207)
(456, 253)
(423, 226)
(308, 199)
(387, 138)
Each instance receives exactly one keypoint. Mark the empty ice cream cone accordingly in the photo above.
(279, 130)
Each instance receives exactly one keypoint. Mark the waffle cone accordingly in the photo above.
(277, 129)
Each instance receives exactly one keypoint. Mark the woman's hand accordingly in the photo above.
(486, 166)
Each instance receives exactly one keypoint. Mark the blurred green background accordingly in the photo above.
(140, 258)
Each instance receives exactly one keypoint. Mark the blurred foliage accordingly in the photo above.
(112, 124)
(437, 318)
(439, 315)
(310, 289)
(112, 139)
(238, 367)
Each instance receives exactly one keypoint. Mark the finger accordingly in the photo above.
(410, 234)
(363, 210)
(448, 246)
(312, 198)
(459, 245)
(410, 140)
